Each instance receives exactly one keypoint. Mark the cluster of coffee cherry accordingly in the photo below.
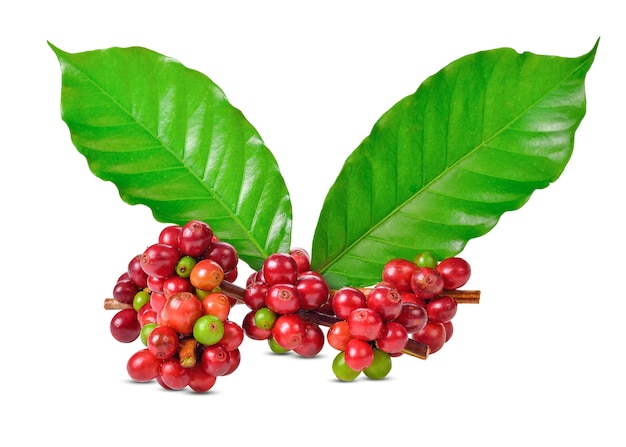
(412, 302)
(174, 305)
(369, 326)
(429, 284)
(177, 295)
(281, 295)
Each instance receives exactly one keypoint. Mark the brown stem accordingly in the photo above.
(412, 348)
(113, 304)
(464, 296)
(233, 291)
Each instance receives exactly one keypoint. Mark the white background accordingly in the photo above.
(538, 362)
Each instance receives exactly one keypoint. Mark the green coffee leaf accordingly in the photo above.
(443, 164)
(168, 138)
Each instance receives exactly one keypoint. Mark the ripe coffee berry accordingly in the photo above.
(433, 335)
(283, 298)
(142, 366)
(124, 290)
(365, 323)
(195, 238)
(313, 291)
(163, 342)
(399, 273)
(215, 360)
(455, 272)
(180, 312)
(280, 268)
(313, 341)
(175, 284)
(174, 375)
(413, 317)
(302, 258)
(234, 360)
(345, 300)
(136, 274)
(289, 331)
(359, 354)
(254, 295)
(200, 381)
(224, 254)
(169, 235)
(426, 282)
(159, 260)
(155, 284)
(386, 301)
(441, 309)
(125, 326)
(393, 339)
(233, 335)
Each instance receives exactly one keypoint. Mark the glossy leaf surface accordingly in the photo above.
(443, 164)
(168, 138)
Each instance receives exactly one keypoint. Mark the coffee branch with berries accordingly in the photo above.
(385, 274)
(176, 298)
